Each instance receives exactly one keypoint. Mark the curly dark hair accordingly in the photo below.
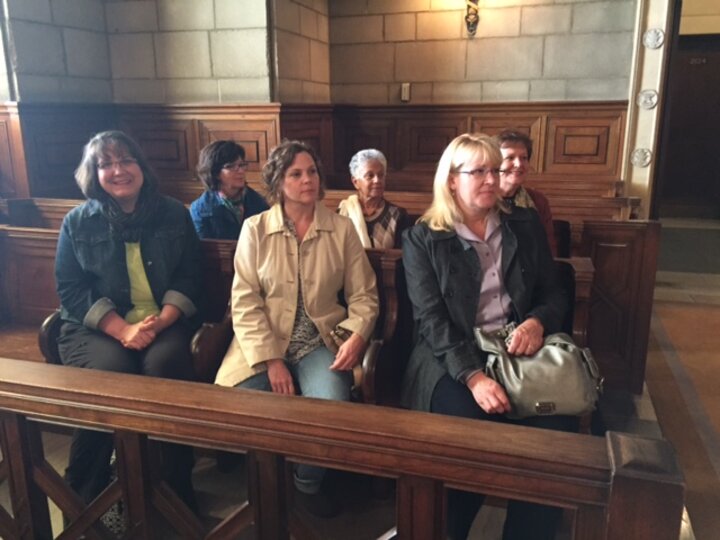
(279, 161)
(515, 136)
(212, 158)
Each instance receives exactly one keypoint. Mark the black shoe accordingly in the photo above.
(318, 504)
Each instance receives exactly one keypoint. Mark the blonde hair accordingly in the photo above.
(444, 211)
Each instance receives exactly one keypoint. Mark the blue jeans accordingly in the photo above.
(312, 378)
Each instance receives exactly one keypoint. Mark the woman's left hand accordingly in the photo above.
(527, 338)
(349, 353)
(167, 317)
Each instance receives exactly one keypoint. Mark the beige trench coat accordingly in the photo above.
(265, 288)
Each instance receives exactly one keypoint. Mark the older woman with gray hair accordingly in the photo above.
(378, 223)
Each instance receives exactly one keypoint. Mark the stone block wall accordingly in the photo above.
(137, 51)
(302, 51)
(188, 51)
(524, 50)
(57, 51)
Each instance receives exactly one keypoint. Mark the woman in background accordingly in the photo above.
(220, 211)
(516, 149)
(378, 223)
(293, 335)
(128, 277)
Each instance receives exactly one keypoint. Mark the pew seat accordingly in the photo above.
(377, 379)
(213, 339)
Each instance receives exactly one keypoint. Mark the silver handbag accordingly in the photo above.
(561, 378)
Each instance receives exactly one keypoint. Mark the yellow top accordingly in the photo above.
(140, 293)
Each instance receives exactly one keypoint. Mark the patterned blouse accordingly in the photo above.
(305, 337)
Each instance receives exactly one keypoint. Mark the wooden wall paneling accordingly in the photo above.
(172, 136)
(29, 276)
(624, 254)
(577, 147)
(355, 132)
(257, 137)
(587, 144)
(5, 313)
(575, 186)
(171, 146)
(425, 137)
(312, 124)
(532, 125)
(13, 169)
(54, 136)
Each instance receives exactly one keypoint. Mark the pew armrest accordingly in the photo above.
(47, 337)
(364, 373)
(577, 274)
(208, 347)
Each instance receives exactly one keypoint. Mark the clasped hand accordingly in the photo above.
(141, 334)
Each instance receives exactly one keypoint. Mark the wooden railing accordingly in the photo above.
(615, 488)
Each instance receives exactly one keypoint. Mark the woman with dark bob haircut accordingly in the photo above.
(228, 200)
(293, 335)
(127, 273)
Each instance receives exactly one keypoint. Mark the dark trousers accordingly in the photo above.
(168, 356)
(524, 520)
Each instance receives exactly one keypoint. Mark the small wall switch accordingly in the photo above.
(405, 92)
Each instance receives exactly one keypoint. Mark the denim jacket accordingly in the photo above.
(213, 219)
(91, 270)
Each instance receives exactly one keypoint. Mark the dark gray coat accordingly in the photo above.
(442, 279)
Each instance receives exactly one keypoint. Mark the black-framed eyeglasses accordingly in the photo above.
(123, 163)
(482, 172)
(237, 166)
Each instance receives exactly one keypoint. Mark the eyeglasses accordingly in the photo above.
(123, 163)
(237, 166)
(482, 172)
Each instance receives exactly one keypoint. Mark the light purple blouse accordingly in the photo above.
(494, 305)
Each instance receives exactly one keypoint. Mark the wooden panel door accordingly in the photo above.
(624, 254)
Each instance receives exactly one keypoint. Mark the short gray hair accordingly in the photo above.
(363, 156)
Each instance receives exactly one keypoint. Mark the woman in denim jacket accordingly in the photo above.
(228, 201)
(127, 273)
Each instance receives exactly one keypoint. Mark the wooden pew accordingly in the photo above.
(48, 213)
(394, 328)
(378, 378)
(624, 254)
(615, 488)
(573, 209)
(39, 212)
(27, 288)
